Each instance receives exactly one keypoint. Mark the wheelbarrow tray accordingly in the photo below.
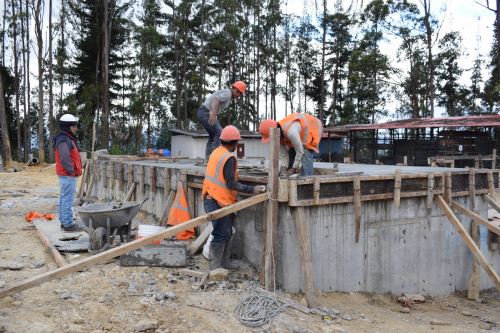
(118, 215)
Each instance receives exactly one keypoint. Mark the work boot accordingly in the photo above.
(227, 263)
(73, 228)
(217, 273)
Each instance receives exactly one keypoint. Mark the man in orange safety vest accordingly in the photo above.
(300, 138)
(220, 189)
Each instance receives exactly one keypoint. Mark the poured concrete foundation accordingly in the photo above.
(410, 248)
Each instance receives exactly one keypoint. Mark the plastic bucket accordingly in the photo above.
(148, 230)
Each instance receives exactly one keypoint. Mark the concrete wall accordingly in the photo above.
(410, 249)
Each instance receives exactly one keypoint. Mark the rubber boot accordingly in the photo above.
(227, 263)
(215, 265)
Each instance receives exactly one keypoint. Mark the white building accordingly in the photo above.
(192, 143)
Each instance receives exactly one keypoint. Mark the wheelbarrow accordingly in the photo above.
(104, 221)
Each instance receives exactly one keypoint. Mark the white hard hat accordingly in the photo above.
(68, 118)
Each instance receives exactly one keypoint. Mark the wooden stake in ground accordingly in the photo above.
(272, 211)
(476, 252)
(312, 294)
(125, 248)
(475, 278)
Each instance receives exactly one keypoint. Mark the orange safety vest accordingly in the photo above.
(215, 183)
(310, 133)
(179, 213)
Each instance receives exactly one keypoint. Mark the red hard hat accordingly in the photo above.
(230, 133)
(240, 86)
(265, 129)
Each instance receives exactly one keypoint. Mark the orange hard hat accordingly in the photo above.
(240, 86)
(265, 129)
(230, 133)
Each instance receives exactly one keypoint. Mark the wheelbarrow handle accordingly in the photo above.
(143, 201)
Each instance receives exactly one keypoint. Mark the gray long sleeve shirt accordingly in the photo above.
(230, 178)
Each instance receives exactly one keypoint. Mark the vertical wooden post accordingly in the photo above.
(474, 280)
(430, 190)
(272, 210)
(448, 187)
(111, 170)
(491, 184)
(167, 185)
(139, 195)
(121, 180)
(357, 207)
(304, 242)
(397, 187)
(494, 159)
(316, 190)
(153, 180)
(405, 160)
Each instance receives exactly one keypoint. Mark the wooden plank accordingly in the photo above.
(191, 201)
(272, 211)
(153, 179)
(121, 178)
(469, 242)
(475, 278)
(430, 190)
(191, 273)
(83, 179)
(168, 205)
(198, 242)
(357, 207)
(54, 253)
(122, 249)
(476, 217)
(303, 239)
(167, 185)
(130, 192)
(139, 195)
(493, 203)
(397, 187)
(316, 190)
(491, 184)
(494, 155)
(448, 187)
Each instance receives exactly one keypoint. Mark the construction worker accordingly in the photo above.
(220, 189)
(68, 169)
(213, 105)
(300, 136)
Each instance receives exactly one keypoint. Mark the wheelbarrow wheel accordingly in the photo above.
(97, 239)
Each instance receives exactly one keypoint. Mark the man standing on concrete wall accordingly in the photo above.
(220, 189)
(213, 105)
(68, 168)
(300, 137)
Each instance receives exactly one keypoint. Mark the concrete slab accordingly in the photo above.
(166, 254)
(63, 241)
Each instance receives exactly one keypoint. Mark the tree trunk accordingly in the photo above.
(497, 27)
(3, 30)
(27, 119)
(38, 32)
(52, 127)
(430, 62)
(25, 155)
(105, 76)
(7, 155)
(16, 83)
(61, 64)
(323, 51)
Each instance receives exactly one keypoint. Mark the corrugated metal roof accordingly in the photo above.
(492, 120)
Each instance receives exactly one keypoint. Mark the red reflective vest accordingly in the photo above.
(215, 183)
(74, 155)
(310, 133)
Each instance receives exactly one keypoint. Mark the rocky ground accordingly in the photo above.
(111, 298)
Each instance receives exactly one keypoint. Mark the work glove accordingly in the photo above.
(291, 172)
(259, 189)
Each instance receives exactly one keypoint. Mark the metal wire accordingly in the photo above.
(257, 310)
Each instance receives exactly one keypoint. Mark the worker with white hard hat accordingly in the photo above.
(68, 169)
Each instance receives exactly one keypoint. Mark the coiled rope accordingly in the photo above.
(257, 310)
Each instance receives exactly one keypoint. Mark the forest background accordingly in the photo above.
(136, 68)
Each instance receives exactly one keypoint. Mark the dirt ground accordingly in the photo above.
(111, 298)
